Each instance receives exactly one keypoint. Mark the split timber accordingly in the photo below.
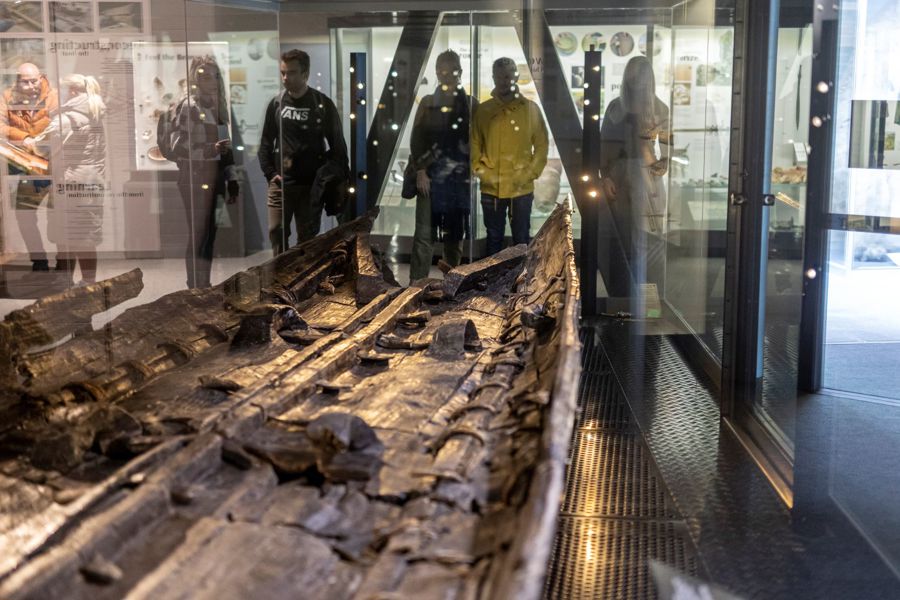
(306, 429)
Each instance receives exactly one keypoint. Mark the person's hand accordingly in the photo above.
(234, 189)
(423, 183)
(659, 168)
(223, 146)
(276, 180)
(608, 187)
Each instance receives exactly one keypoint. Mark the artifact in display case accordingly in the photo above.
(789, 175)
(71, 17)
(309, 409)
(121, 17)
(26, 161)
(20, 17)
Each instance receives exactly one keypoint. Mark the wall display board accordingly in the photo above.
(700, 75)
(87, 38)
(254, 79)
(618, 44)
(160, 79)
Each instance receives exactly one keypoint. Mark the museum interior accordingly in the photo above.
(266, 333)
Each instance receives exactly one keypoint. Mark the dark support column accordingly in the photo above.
(590, 222)
(748, 212)
(398, 98)
(552, 84)
(358, 170)
(818, 196)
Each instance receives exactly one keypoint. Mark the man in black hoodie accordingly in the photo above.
(302, 131)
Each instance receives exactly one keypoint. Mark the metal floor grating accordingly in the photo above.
(608, 558)
(611, 414)
(617, 513)
(613, 475)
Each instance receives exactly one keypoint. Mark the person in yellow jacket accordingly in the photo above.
(509, 151)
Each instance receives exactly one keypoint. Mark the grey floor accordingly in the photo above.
(723, 522)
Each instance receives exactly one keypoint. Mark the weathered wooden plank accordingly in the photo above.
(465, 277)
(53, 317)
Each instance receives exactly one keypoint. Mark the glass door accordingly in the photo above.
(767, 227)
(862, 324)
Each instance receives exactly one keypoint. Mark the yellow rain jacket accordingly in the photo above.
(509, 146)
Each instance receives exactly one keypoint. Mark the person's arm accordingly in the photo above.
(7, 131)
(664, 136)
(266, 153)
(60, 126)
(334, 133)
(540, 142)
(476, 142)
(418, 144)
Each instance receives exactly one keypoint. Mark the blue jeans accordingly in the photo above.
(495, 210)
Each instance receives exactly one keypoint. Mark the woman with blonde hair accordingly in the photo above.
(75, 140)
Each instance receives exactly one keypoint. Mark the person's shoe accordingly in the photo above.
(40, 265)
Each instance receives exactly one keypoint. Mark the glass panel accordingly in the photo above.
(700, 76)
(868, 35)
(862, 329)
(862, 335)
(776, 407)
(134, 177)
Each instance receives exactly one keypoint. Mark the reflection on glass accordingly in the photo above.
(76, 141)
(303, 155)
(196, 138)
(509, 151)
(440, 162)
(874, 125)
(27, 105)
(862, 335)
(634, 156)
(775, 408)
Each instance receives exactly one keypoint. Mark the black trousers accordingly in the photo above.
(200, 183)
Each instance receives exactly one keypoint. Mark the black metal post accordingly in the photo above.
(818, 196)
(358, 130)
(590, 153)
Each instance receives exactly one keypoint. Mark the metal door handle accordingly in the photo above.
(768, 200)
(737, 199)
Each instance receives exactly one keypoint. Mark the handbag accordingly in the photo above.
(409, 190)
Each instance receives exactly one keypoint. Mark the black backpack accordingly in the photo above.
(165, 132)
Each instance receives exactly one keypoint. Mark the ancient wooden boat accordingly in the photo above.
(307, 429)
